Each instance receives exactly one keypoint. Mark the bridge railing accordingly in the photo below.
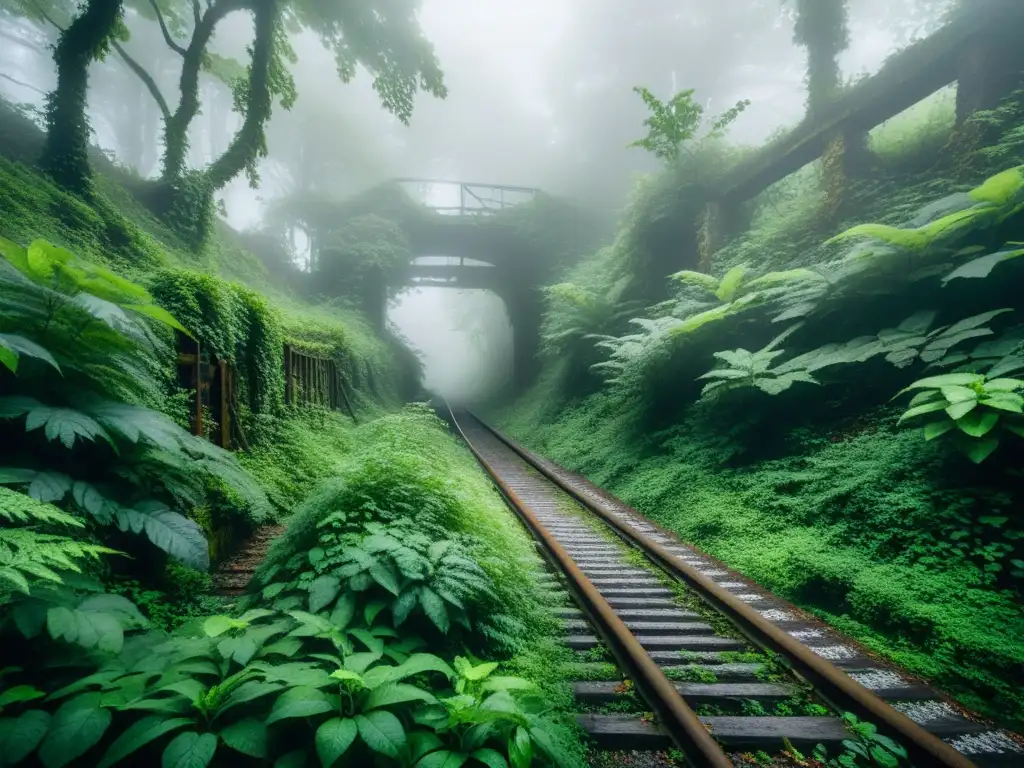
(474, 199)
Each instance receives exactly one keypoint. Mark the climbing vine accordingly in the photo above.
(821, 26)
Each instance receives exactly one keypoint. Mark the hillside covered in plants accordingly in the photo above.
(833, 406)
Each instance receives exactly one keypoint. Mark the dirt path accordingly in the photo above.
(233, 575)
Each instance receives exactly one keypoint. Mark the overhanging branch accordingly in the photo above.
(163, 28)
(145, 77)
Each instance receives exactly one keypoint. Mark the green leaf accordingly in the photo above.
(443, 759)
(520, 748)
(422, 742)
(491, 758)
(979, 450)
(65, 424)
(508, 684)
(419, 663)
(333, 738)
(384, 574)
(1005, 401)
(172, 532)
(382, 732)
(549, 746)
(322, 591)
(248, 736)
(979, 423)
(921, 409)
(49, 486)
(958, 410)
(435, 609)
(945, 380)
(396, 693)
(159, 314)
(19, 693)
(249, 690)
(138, 735)
(373, 643)
(372, 610)
(982, 267)
(190, 750)
(344, 610)
(480, 671)
(76, 727)
(937, 428)
(959, 394)
(215, 626)
(19, 736)
(11, 347)
(301, 701)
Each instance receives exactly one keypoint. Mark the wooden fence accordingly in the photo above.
(310, 380)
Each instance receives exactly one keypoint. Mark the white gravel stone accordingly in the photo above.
(988, 742)
(750, 597)
(731, 584)
(835, 652)
(806, 634)
(713, 572)
(879, 679)
(774, 614)
(925, 711)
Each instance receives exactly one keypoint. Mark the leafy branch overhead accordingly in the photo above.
(679, 120)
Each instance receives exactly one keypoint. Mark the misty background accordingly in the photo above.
(540, 95)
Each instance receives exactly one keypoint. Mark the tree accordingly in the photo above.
(821, 26)
(381, 35)
(85, 39)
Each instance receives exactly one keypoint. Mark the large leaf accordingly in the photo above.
(138, 735)
(66, 424)
(979, 450)
(302, 701)
(159, 314)
(322, 591)
(333, 738)
(435, 609)
(172, 532)
(49, 486)
(382, 732)
(978, 423)
(20, 735)
(248, 736)
(11, 347)
(443, 759)
(76, 727)
(396, 693)
(190, 750)
(982, 267)
(491, 758)
(417, 664)
(89, 629)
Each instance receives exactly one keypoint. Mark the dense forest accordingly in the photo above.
(754, 270)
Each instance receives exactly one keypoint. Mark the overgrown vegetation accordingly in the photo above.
(754, 409)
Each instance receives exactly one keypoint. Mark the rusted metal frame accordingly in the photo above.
(842, 691)
(674, 714)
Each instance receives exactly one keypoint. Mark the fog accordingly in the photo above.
(539, 95)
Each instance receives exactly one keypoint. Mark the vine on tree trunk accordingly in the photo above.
(87, 38)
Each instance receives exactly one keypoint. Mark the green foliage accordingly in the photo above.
(751, 369)
(394, 528)
(362, 257)
(105, 336)
(236, 324)
(977, 410)
(865, 747)
(678, 120)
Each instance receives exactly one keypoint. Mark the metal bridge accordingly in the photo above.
(473, 199)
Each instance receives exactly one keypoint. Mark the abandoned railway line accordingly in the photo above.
(689, 634)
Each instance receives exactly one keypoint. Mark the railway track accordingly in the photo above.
(686, 633)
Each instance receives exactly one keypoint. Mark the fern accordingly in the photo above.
(745, 369)
(30, 550)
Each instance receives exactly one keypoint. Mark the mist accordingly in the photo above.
(539, 96)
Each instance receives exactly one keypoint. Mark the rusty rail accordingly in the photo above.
(679, 721)
(831, 683)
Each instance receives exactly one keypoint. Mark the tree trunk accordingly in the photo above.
(250, 142)
(176, 128)
(65, 153)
